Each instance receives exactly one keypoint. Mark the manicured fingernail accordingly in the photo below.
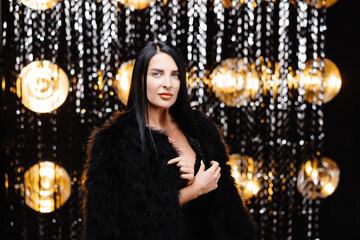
(169, 162)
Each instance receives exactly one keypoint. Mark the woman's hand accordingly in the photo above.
(207, 181)
(186, 169)
(204, 182)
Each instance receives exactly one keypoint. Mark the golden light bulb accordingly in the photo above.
(232, 3)
(332, 80)
(320, 3)
(123, 80)
(313, 175)
(42, 86)
(317, 4)
(40, 183)
(137, 4)
(311, 78)
(243, 171)
(234, 82)
(39, 4)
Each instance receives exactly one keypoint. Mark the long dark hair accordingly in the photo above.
(137, 101)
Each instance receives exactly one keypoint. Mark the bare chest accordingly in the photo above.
(181, 144)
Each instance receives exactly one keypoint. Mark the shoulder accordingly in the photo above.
(202, 120)
(121, 129)
(205, 124)
(111, 145)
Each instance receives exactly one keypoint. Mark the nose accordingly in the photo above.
(167, 82)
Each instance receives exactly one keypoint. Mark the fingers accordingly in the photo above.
(180, 162)
(214, 164)
(187, 170)
(185, 164)
(207, 181)
(187, 176)
(202, 166)
(217, 180)
(217, 171)
(216, 168)
(174, 160)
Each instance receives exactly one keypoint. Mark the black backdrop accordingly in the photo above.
(340, 212)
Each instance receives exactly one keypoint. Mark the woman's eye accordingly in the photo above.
(176, 75)
(156, 74)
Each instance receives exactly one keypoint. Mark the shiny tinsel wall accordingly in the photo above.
(90, 40)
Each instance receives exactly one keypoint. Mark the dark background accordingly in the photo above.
(340, 212)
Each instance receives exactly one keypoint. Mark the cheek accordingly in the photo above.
(177, 84)
(150, 87)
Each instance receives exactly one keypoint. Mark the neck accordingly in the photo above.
(160, 118)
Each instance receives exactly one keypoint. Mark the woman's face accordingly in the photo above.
(163, 81)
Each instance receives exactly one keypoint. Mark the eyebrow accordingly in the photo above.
(160, 70)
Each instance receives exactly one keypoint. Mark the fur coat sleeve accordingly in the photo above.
(229, 217)
(124, 196)
(107, 204)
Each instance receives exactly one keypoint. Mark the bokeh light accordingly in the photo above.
(244, 172)
(137, 4)
(47, 187)
(42, 86)
(123, 80)
(39, 4)
(312, 80)
(313, 175)
(234, 82)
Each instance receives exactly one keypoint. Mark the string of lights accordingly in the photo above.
(258, 68)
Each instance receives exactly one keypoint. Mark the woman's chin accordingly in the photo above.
(159, 106)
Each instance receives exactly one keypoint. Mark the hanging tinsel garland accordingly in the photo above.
(97, 37)
(16, 173)
(311, 208)
(72, 122)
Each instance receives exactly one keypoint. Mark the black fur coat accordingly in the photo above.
(126, 197)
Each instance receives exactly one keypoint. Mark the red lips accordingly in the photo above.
(166, 94)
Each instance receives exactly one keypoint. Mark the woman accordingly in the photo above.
(158, 171)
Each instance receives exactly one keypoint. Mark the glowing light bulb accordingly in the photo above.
(42, 86)
(123, 80)
(313, 175)
(137, 4)
(312, 81)
(234, 82)
(39, 4)
(40, 183)
(232, 4)
(243, 171)
(320, 3)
